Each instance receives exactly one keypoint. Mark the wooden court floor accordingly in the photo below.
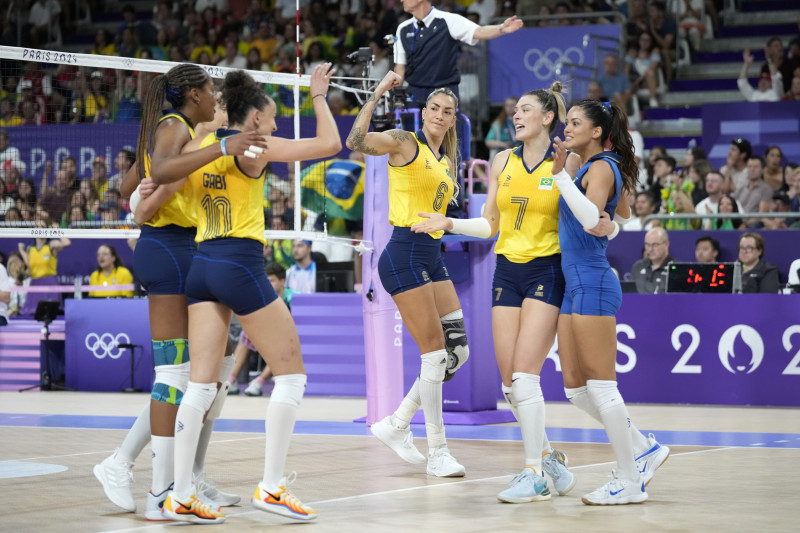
(731, 469)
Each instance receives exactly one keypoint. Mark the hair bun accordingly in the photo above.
(556, 87)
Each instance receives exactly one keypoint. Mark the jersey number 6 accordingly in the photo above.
(439, 200)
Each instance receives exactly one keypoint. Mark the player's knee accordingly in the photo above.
(526, 388)
(170, 383)
(289, 389)
(455, 342)
(434, 365)
(604, 394)
(200, 396)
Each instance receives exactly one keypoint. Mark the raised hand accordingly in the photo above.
(434, 222)
(321, 79)
(510, 25)
(559, 156)
(747, 57)
(392, 79)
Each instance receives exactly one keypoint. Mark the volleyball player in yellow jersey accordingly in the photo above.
(528, 286)
(42, 256)
(422, 166)
(227, 276)
(162, 258)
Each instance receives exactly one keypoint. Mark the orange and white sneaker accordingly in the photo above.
(282, 502)
(194, 510)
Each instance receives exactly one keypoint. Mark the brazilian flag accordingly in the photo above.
(335, 187)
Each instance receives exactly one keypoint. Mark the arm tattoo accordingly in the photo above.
(356, 140)
(399, 135)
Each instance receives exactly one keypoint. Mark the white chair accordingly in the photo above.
(794, 272)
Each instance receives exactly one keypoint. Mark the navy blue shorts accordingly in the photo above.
(411, 260)
(592, 287)
(162, 258)
(539, 279)
(230, 271)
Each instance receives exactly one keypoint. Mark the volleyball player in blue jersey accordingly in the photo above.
(587, 327)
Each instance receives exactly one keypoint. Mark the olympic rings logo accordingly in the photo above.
(543, 65)
(106, 344)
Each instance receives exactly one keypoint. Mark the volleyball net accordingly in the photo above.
(74, 118)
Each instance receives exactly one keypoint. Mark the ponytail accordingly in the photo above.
(551, 100)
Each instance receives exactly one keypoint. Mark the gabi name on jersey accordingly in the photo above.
(214, 181)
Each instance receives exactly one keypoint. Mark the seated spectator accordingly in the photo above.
(8, 115)
(773, 171)
(502, 134)
(6, 202)
(127, 107)
(728, 204)
(794, 90)
(25, 195)
(780, 204)
(735, 169)
(664, 30)
(757, 275)
(110, 271)
(122, 163)
(302, 276)
(642, 207)
(794, 191)
(696, 175)
(755, 190)
(5, 294)
(109, 212)
(680, 203)
(778, 65)
(710, 204)
(664, 180)
(595, 92)
(650, 272)
(232, 59)
(706, 249)
(642, 65)
(690, 20)
(615, 84)
(764, 92)
(18, 274)
(56, 199)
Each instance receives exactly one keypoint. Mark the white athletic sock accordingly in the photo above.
(580, 398)
(610, 405)
(137, 438)
(401, 418)
(279, 425)
(202, 447)
(163, 463)
(188, 424)
(527, 393)
(431, 376)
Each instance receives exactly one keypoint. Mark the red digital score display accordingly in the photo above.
(715, 278)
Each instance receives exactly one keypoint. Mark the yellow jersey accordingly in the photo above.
(118, 276)
(528, 203)
(178, 209)
(229, 203)
(42, 261)
(422, 185)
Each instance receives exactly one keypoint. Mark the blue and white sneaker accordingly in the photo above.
(528, 486)
(617, 492)
(648, 462)
(554, 464)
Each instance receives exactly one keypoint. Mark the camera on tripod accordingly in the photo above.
(383, 119)
(362, 55)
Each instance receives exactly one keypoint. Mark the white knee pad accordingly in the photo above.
(604, 394)
(225, 371)
(455, 342)
(526, 388)
(289, 389)
(219, 401)
(176, 376)
(200, 396)
(434, 365)
(508, 392)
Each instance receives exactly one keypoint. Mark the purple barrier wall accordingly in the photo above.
(94, 328)
(527, 59)
(741, 349)
(763, 124)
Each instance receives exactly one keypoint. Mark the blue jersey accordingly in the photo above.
(571, 235)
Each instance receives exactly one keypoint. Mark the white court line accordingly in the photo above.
(399, 491)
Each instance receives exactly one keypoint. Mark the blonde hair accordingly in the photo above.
(450, 143)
